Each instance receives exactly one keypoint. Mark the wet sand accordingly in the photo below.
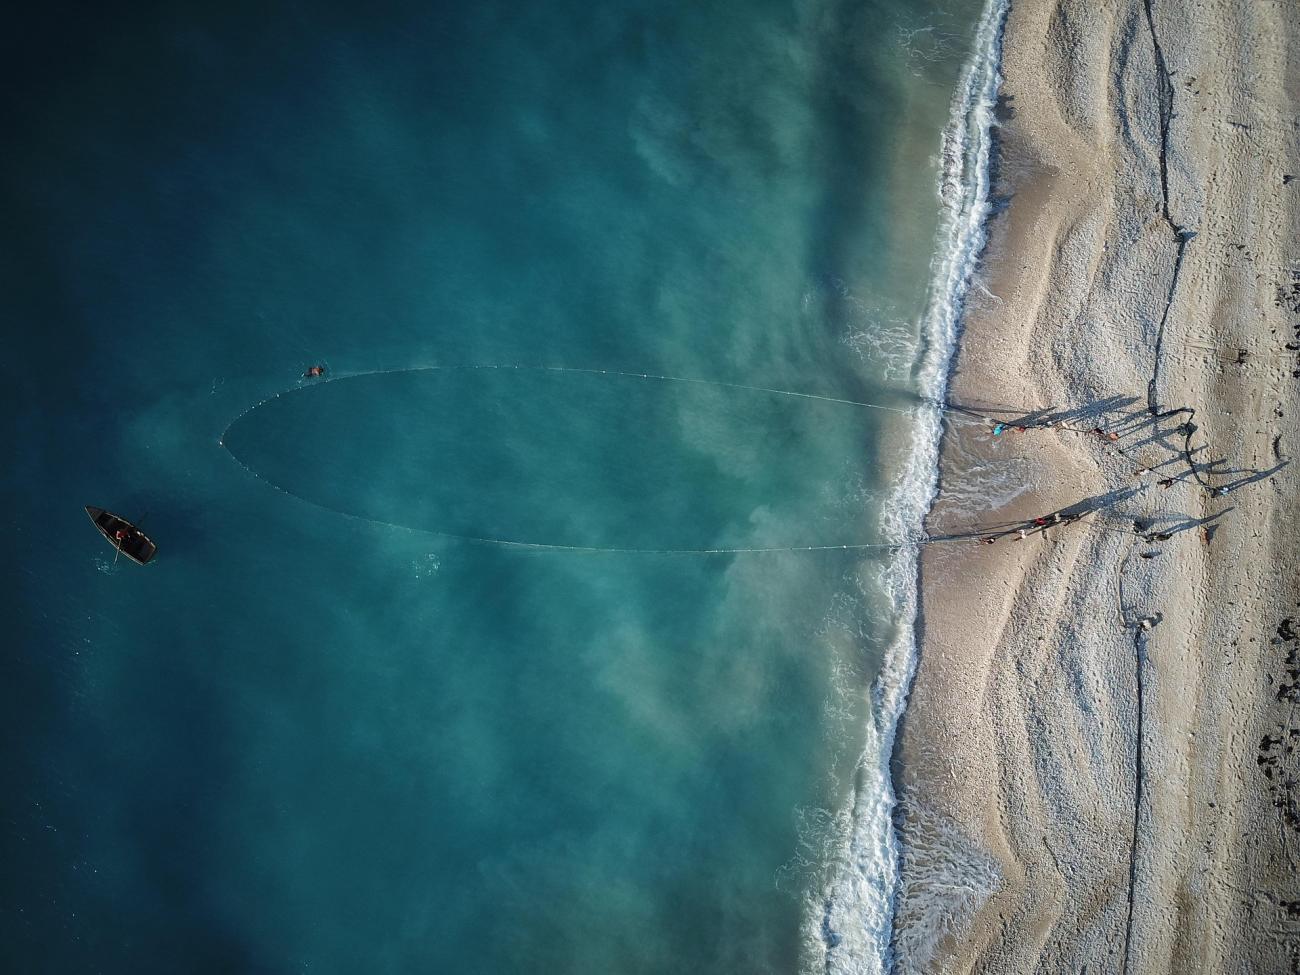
(1098, 767)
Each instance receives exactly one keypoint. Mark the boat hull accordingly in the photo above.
(135, 545)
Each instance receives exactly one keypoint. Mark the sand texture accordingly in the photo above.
(1079, 792)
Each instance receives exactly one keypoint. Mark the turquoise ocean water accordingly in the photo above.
(326, 731)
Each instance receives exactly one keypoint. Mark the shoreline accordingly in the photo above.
(850, 930)
(1079, 768)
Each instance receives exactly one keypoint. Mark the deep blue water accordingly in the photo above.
(300, 741)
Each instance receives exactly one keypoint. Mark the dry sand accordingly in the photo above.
(1078, 793)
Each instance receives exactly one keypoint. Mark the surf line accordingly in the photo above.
(555, 546)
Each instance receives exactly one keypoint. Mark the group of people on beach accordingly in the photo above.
(1064, 517)
(1034, 526)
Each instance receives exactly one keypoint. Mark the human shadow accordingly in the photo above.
(1060, 518)
(1158, 465)
(1099, 502)
(1161, 528)
(1047, 416)
(1159, 433)
(1250, 476)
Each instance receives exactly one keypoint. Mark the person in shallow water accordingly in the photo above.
(314, 372)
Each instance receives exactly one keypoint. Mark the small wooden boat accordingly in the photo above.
(123, 535)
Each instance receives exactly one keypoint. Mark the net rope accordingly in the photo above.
(554, 546)
(918, 539)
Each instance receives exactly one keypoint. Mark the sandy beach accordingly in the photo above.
(1098, 767)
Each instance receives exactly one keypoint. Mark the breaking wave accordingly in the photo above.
(849, 929)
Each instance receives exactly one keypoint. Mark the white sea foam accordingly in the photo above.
(887, 343)
(978, 482)
(426, 566)
(849, 930)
